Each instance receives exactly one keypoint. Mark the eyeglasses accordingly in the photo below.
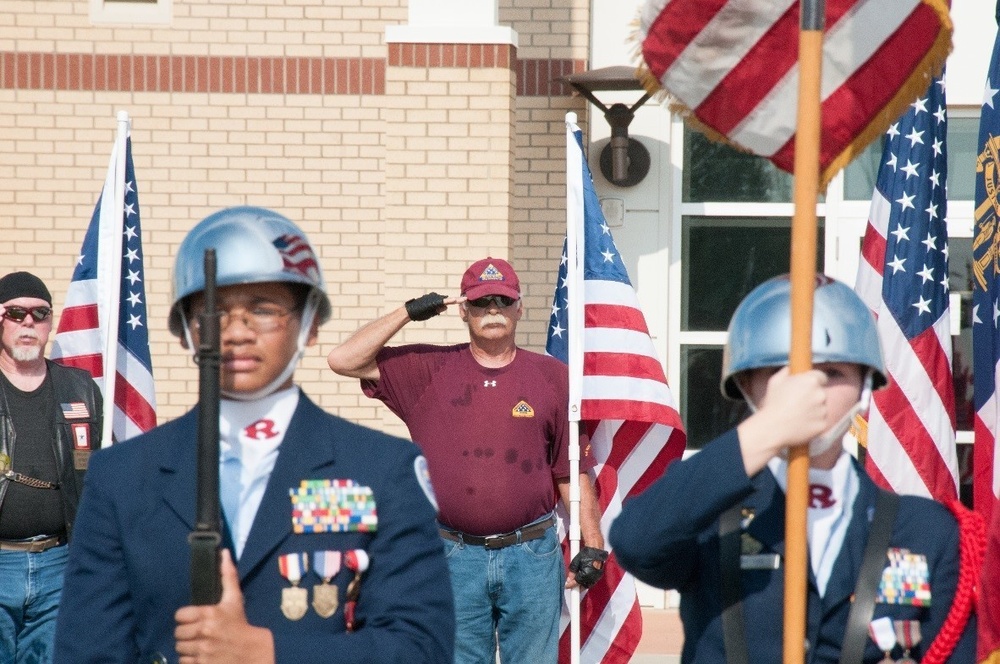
(18, 314)
(502, 301)
(259, 319)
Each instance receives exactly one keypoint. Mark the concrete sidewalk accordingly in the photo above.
(662, 637)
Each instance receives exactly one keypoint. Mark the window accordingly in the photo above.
(733, 228)
(735, 232)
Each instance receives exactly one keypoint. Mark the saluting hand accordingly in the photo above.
(792, 411)
(220, 633)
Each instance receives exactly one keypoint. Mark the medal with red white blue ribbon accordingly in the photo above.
(326, 564)
(294, 600)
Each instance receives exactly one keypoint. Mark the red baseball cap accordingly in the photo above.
(490, 276)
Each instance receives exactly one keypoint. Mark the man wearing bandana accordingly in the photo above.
(50, 419)
(330, 551)
(883, 570)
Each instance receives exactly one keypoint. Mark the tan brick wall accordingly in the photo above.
(314, 28)
(549, 28)
(557, 33)
(398, 187)
(314, 160)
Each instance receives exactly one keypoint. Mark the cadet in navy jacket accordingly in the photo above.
(671, 536)
(331, 525)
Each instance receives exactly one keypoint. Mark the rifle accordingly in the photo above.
(206, 580)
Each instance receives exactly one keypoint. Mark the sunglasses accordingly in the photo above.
(502, 301)
(18, 314)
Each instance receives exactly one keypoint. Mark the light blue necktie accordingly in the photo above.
(230, 489)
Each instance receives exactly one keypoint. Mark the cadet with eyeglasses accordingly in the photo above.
(331, 551)
(492, 420)
(50, 420)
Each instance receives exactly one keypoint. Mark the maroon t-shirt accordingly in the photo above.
(495, 439)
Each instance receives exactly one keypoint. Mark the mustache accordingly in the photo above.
(28, 334)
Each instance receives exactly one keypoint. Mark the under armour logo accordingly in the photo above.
(489, 383)
(261, 429)
(821, 496)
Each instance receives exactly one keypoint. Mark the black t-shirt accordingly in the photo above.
(27, 511)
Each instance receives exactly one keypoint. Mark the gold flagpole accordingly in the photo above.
(803, 280)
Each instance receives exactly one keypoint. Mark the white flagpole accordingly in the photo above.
(575, 300)
(112, 229)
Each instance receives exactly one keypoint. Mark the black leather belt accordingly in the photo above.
(31, 546)
(526, 534)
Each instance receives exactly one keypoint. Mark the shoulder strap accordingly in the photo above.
(856, 634)
(733, 623)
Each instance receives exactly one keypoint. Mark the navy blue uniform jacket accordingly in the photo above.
(128, 569)
(669, 537)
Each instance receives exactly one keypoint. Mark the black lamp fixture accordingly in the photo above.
(624, 161)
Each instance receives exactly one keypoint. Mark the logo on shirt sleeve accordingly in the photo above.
(522, 409)
(424, 480)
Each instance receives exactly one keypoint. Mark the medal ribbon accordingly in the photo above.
(356, 560)
(326, 564)
(907, 633)
(293, 566)
(883, 634)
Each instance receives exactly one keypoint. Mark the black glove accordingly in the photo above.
(588, 566)
(425, 306)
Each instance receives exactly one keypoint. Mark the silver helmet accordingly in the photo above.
(252, 245)
(760, 331)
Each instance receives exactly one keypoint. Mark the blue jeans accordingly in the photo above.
(30, 588)
(511, 597)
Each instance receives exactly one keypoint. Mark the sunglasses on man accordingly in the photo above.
(502, 301)
(18, 314)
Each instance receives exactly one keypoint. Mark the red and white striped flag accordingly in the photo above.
(903, 278)
(624, 402)
(108, 293)
(732, 66)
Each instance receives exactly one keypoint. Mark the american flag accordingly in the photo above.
(986, 356)
(733, 66)
(298, 256)
(76, 410)
(96, 294)
(625, 404)
(903, 278)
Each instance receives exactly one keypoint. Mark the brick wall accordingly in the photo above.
(401, 175)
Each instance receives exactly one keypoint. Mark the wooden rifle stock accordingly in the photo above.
(206, 581)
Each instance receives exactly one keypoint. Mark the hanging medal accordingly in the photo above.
(326, 564)
(908, 636)
(294, 600)
(884, 636)
(355, 560)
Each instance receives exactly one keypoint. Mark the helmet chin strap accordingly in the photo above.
(835, 434)
(305, 325)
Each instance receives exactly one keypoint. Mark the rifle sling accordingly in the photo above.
(865, 591)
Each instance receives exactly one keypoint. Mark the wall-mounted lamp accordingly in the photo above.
(624, 161)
